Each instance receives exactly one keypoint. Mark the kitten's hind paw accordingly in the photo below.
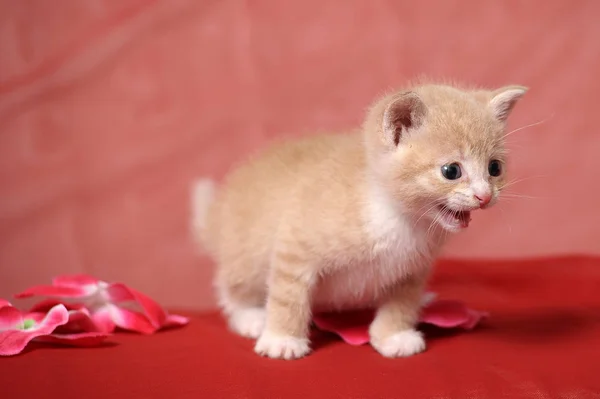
(401, 344)
(248, 322)
(281, 346)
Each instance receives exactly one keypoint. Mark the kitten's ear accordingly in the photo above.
(406, 112)
(504, 99)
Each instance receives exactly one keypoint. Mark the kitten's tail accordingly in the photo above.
(203, 193)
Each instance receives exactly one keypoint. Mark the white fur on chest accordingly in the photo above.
(395, 248)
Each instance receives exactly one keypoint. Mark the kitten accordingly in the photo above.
(334, 222)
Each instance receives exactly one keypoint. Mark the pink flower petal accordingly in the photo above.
(37, 317)
(10, 318)
(80, 321)
(13, 342)
(102, 318)
(131, 321)
(75, 280)
(475, 316)
(174, 320)
(85, 339)
(4, 302)
(39, 310)
(52, 291)
(451, 314)
(353, 327)
(45, 305)
(57, 316)
(118, 293)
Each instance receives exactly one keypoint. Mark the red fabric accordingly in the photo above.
(541, 341)
(110, 109)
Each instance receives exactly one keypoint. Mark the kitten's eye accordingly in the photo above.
(451, 171)
(495, 168)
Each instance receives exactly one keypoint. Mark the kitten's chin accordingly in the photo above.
(451, 220)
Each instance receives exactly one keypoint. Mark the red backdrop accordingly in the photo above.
(109, 109)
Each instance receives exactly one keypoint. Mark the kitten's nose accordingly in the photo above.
(483, 199)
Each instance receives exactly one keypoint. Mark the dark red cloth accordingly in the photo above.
(542, 340)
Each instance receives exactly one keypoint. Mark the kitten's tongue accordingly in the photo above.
(464, 218)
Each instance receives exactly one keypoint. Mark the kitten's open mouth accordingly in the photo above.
(454, 219)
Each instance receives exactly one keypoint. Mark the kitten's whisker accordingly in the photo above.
(530, 125)
(512, 182)
(427, 211)
(510, 195)
(446, 234)
(435, 223)
(506, 221)
(426, 204)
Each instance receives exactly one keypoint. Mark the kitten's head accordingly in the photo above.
(439, 151)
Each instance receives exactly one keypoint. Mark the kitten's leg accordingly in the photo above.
(248, 322)
(288, 307)
(393, 331)
(246, 313)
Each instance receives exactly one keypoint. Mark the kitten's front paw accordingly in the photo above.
(401, 344)
(281, 346)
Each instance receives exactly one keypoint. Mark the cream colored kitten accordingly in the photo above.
(333, 222)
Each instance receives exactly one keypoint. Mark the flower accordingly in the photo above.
(79, 310)
(353, 327)
(79, 316)
(104, 306)
(18, 329)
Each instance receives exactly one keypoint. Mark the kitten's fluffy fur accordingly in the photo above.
(333, 222)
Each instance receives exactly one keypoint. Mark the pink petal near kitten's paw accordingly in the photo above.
(451, 314)
(353, 327)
